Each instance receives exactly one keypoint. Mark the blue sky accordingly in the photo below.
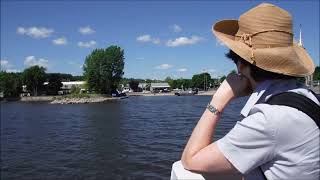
(168, 38)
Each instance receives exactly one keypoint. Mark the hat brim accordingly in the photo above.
(291, 60)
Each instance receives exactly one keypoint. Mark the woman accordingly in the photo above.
(272, 141)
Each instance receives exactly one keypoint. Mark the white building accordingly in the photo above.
(70, 84)
(67, 86)
(154, 87)
(159, 86)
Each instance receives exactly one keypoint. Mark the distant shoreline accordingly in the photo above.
(92, 98)
(95, 98)
(200, 93)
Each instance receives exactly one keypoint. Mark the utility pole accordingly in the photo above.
(204, 79)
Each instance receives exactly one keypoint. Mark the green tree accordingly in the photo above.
(54, 83)
(167, 79)
(10, 84)
(215, 82)
(182, 83)
(134, 85)
(201, 81)
(172, 83)
(233, 72)
(222, 79)
(103, 69)
(187, 83)
(316, 74)
(75, 90)
(77, 78)
(34, 77)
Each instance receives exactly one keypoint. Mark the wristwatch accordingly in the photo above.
(212, 109)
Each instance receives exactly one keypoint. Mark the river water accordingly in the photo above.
(135, 138)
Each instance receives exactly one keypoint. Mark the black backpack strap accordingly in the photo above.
(315, 95)
(299, 102)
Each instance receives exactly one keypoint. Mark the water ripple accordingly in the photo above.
(138, 138)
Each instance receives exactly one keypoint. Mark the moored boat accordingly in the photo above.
(185, 93)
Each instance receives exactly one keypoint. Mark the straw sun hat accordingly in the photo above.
(263, 36)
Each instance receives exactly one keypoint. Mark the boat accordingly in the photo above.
(185, 93)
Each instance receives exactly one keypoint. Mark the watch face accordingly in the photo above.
(212, 109)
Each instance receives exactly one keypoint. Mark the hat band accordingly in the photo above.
(247, 39)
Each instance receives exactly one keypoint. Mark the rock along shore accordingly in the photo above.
(69, 99)
(84, 100)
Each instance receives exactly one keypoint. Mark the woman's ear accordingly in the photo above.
(243, 69)
(240, 67)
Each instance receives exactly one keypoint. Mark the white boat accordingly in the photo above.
(185, 93)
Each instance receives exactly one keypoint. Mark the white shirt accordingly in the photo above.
(282, 140)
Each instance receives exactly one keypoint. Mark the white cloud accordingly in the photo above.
(12, 70)
(204, 71)
(7, 66)
(35, 32)
(4, 64)
(182, 41)
(21, 30)
(89, 44)
(176, 28)
(164, 66)
(86, 30)
(33, 61)
(147, 38)
(156, 41)
(182, 70)
(60, 41)
(211, 70)
(144, 38)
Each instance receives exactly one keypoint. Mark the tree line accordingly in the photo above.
(103, 71)
(201, 81)
(11, 84)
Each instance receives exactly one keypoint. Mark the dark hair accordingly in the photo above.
(257, 73)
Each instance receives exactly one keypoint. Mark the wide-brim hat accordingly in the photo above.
(263, 36)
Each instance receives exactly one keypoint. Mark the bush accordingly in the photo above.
(75, 90)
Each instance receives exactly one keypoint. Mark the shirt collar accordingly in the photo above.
(266, 89)
(255, 96)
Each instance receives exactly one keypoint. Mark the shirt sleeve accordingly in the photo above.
(250, 143)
